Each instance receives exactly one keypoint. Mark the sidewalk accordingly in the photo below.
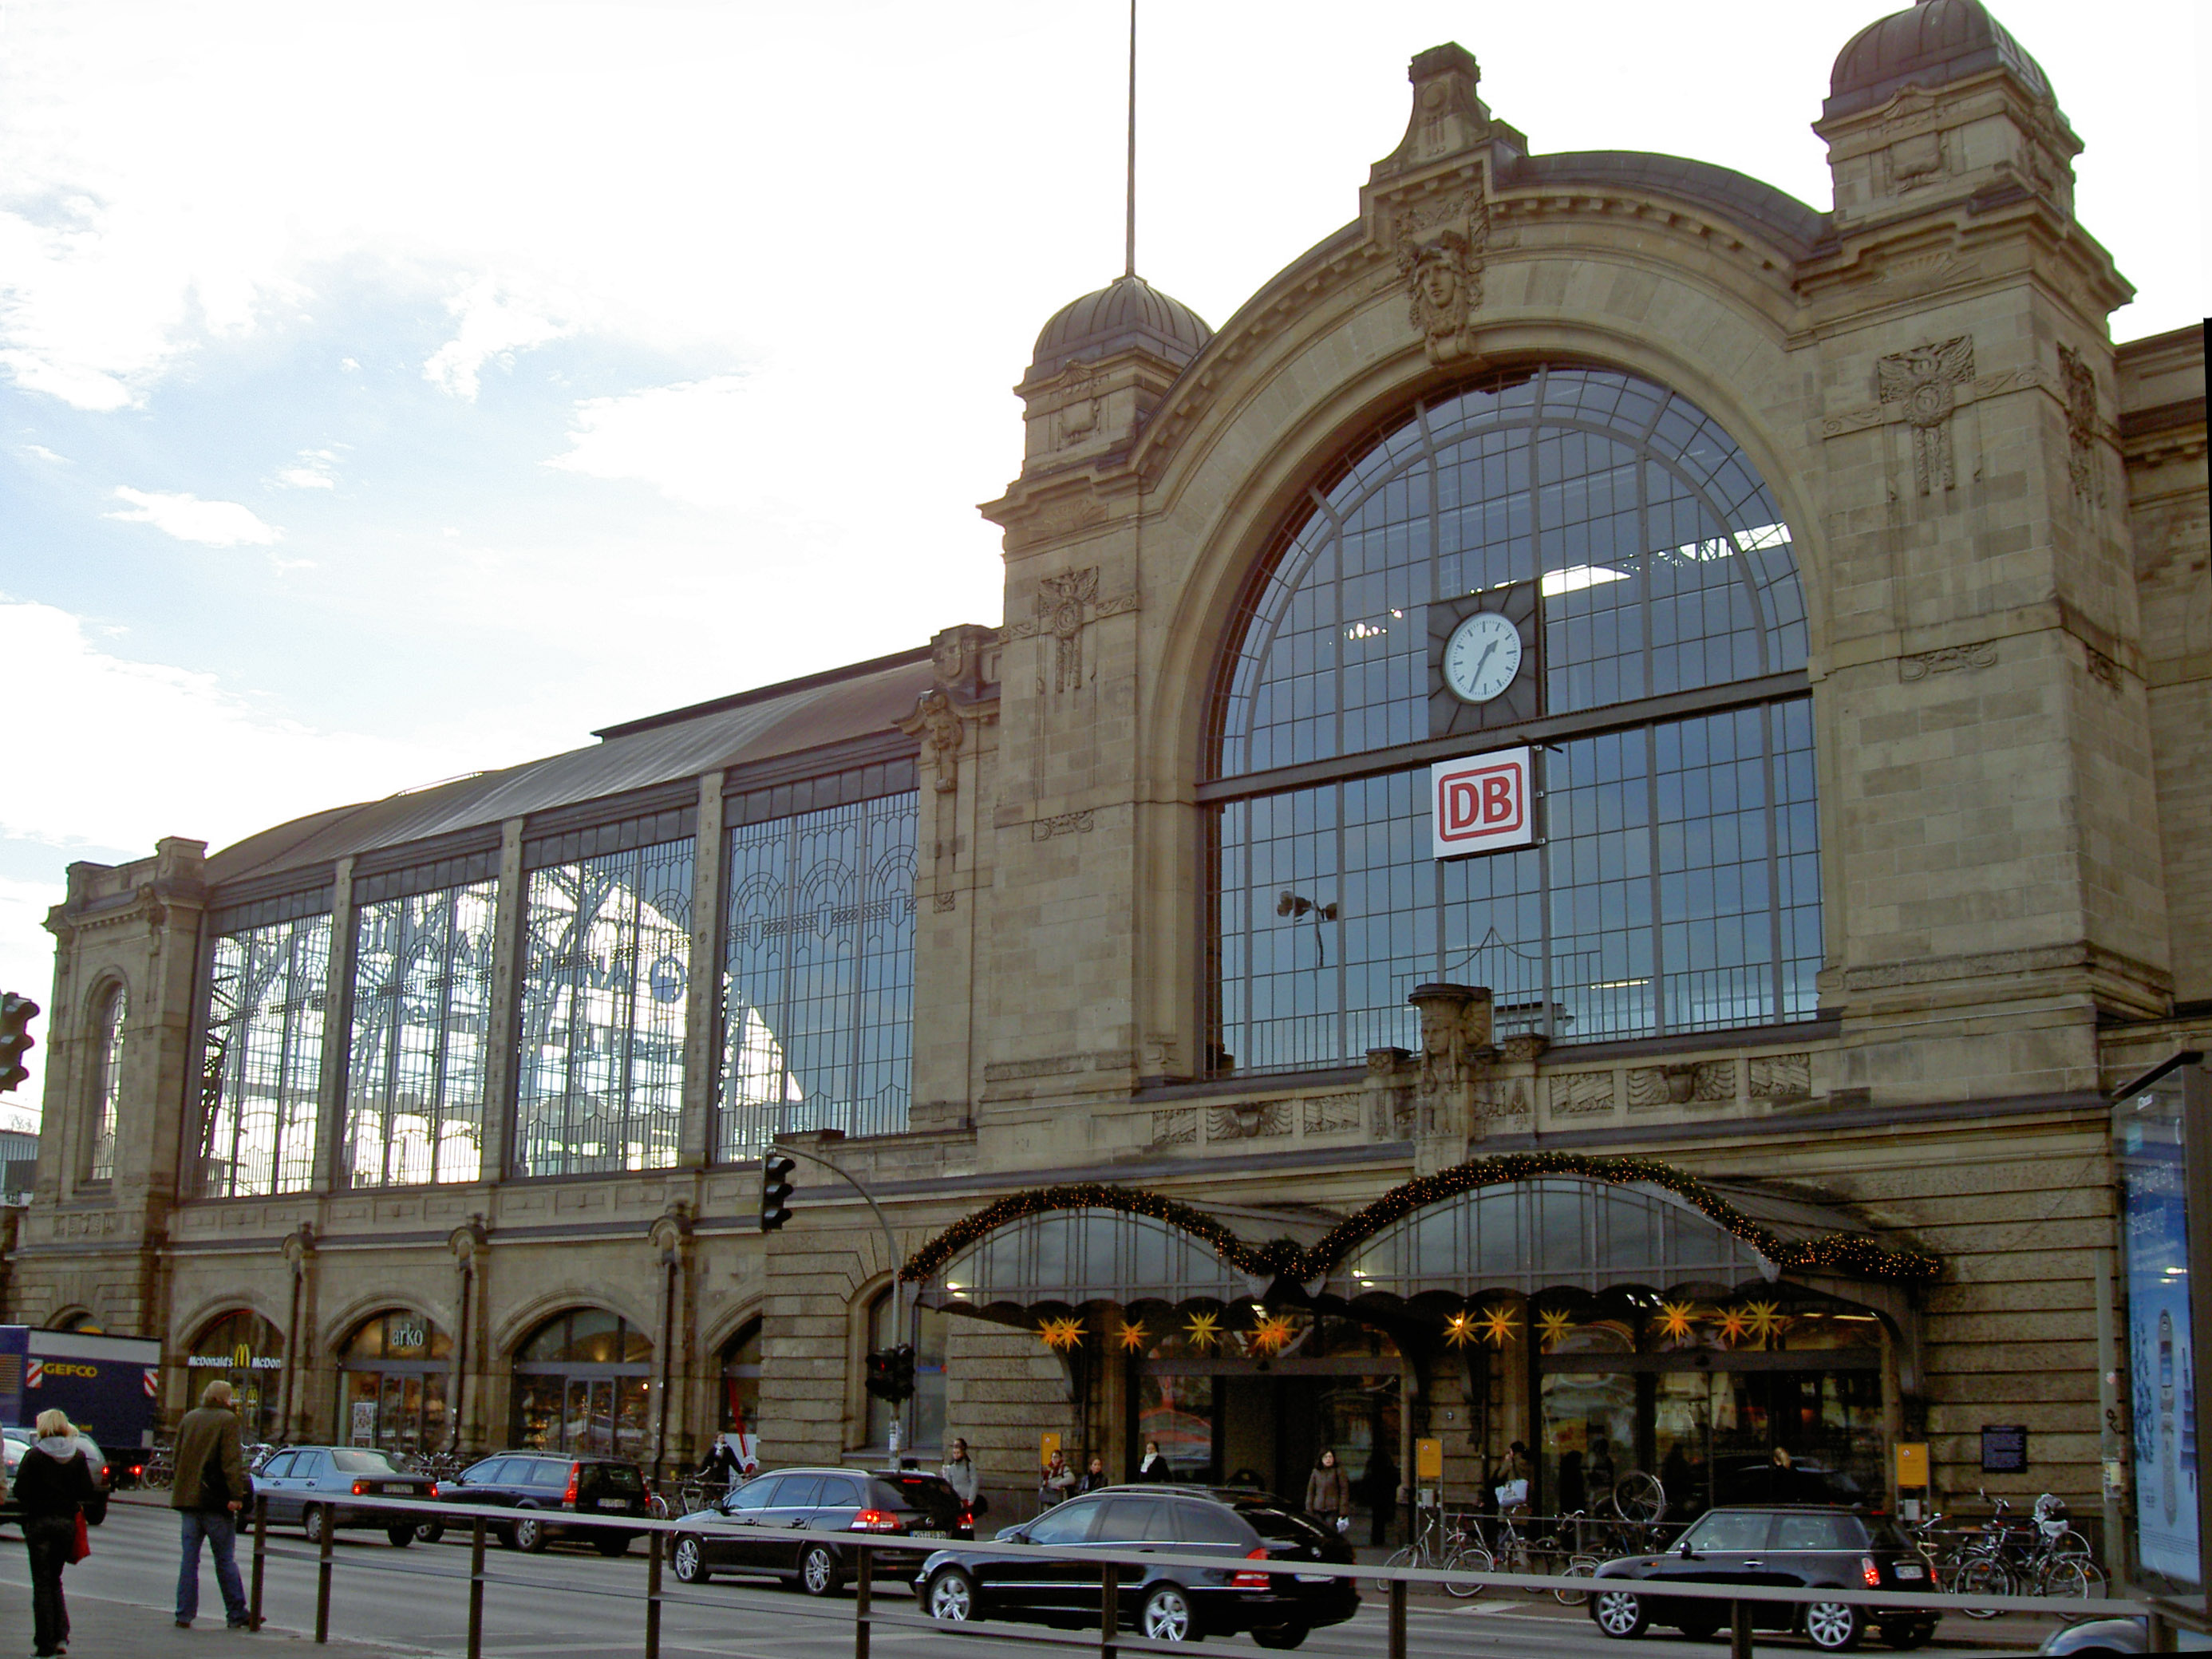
(104, 1629)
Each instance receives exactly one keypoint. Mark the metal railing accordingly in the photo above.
(865, 1615)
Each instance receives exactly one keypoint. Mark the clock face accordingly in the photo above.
(1482, 657)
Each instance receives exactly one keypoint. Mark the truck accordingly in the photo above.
(110, 1386)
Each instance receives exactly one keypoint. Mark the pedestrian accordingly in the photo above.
(1154, 1467)
(1094, 1477)
(1512, 1488)
(53, 1483)
(1382, 1496)
(722, 1466)
(1328, 1493)
(960, 1474)
(209, 1489)
(1057, 1481)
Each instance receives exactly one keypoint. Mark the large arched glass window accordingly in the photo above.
(107, 1081)
(1649, 579)
(582, 1381)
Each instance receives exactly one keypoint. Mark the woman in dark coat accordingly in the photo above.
(53, 1483)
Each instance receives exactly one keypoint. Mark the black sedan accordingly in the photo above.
(1777, 1548)
(749, 1532)
(309, 1485)
(1259, 1540)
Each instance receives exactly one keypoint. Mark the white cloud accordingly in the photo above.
(495, 323)
(189, 519)
(45, 454)
(313, 470)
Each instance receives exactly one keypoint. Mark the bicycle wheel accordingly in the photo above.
(1583, 1566)
(2068, 1575)
(1639, 1497)
(1982, 1576)
(1408, 1556)
(1472, 1557)
(2070, 1546)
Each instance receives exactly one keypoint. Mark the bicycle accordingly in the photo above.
(161, 1471)
(1442, 1543)
(2042, 1556)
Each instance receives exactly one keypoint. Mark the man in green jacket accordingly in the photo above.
(209, 1491)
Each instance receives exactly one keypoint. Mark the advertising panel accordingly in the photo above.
(1483, 803)
(2148, 1133)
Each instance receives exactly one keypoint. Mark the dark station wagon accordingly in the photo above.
(750, 1531)
(539, 1488)
(1776, 1547)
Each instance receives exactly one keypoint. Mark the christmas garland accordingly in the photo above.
(1856, 1253)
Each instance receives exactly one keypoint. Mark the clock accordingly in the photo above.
(1482, 658)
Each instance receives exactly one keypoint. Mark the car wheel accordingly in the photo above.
(817, 1572)
(611, 1543)
(1282, 1636)
(691, 1561)
(1835, 1626)
(401, 1537)
(312, 1523)
(1700, 1627)
(1620, 1613)
(1909, 1633)
(1166, 1616)
(951, 1598)
(429, 1532)
(530, 1535)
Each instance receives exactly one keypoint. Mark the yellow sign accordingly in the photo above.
(1047, 1445)
(1912, 1463)
(1428, 1460)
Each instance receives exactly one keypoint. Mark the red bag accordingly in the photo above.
(82, 1546)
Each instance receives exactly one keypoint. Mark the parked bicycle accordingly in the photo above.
(1443, 1542)
(2042, 1555)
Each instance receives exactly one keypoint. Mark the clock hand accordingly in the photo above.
(1475, 673)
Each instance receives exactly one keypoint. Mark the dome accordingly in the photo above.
(1935, 43)
(1127, 312)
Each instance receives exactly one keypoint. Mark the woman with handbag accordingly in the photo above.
(53, 1483)
(1328, 1493)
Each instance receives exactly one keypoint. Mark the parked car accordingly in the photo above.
(1165, 1602)
(16, 1442)
(540, 1486)
(748, 1530)
(306, 1487)
(2107, 1639)
(1778, 1547)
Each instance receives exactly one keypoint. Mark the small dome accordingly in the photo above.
(1935, 43)
(1127, 312)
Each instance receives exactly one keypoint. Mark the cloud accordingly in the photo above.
(45, 454)
(312, 472)
(495, 323)
(189, 519)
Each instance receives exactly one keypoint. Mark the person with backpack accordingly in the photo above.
(211, 1488)
(53, 1483)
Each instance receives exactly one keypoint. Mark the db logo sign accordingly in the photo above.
(1482, 804)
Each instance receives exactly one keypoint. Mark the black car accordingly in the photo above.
(308, 1484)
(1165, 1603)
(1781, 1548)
(540, 1486)
(749, 1531)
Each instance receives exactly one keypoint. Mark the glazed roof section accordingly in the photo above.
(773, 722)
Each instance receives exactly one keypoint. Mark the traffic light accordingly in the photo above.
(878, 1381)
(902, 1372)
(16, 1013)
(776, 1190)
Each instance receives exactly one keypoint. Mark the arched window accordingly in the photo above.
(928, 1338)
(1657, 653)
(394, 1373)
(107, 1081)
(581, 1383)
(248, 1352)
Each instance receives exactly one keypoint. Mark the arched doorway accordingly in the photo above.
(247, 1351)
(395, 1376)
(582, 1383)
(737, 1407)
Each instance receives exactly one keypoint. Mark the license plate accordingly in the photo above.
(612, 1504)
(1312, 1577)
(1911, 1570)
(931, 1532)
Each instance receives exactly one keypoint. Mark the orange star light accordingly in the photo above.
(1460, 1330)
(1061, 1334)
(1269, 1336)
(1765, 1320)
(1554, 1323)
(1498, 1326)
(1204, 1330)
(1674, 1319)
(1735, 1325)
(1131, 1337)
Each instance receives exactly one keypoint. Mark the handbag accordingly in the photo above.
(81, 1546)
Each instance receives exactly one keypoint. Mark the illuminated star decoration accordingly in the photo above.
(1674, 1319)
(1734, 1325)
(1555, 1323)
(1061, 1334)
(1269, 1336)
(1130, 1337)
(1204, 1330)
(1498, 1326)
(1765, 1320)
(1460, 1330)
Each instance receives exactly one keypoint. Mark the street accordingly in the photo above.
(571, 1601)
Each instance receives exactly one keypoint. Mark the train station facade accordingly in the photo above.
(1567, 825)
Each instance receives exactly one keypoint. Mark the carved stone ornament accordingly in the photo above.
(1456, 1036)
(1444, 284)
(940, 737)
(1925, 380)
(2080, 382)
(1062, 607)
(1946, 660)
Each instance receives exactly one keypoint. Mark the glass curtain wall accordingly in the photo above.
(107, 1084)
(265, 1057)
(422, 1009)
(607, 961)
(1674, 883)
(818, 974)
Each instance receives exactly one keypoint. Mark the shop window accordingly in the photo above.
(738, 1406)
(395, 1379)
(247, 1351)
(107, 1081)
(928, 1403)
(264, 1058)
(582, 1383)
(1639, 556)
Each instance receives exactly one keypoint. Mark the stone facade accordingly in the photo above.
(2001, 525)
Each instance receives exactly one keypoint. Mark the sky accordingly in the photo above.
(391, 391)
